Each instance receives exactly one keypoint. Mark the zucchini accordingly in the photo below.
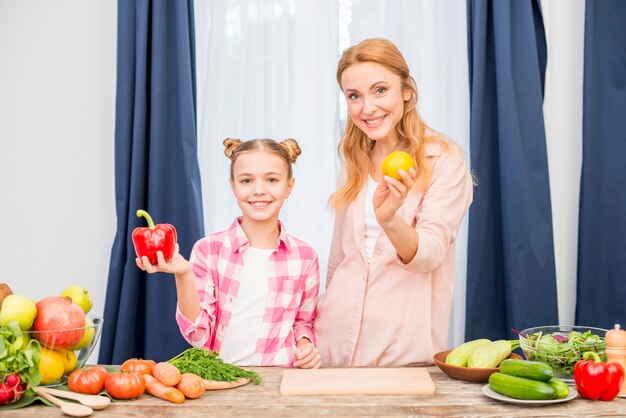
(489, 356)
(520, 387)
(560, 387)
(460, 355)
(529, 369)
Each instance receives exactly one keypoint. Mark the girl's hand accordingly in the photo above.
(390, 195)
(177, 264)
(307, 355)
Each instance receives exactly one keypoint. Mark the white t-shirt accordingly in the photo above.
(372, 229)
(244, 329)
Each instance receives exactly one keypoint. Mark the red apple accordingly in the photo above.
(60, 323)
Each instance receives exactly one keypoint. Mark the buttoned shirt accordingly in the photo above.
(293, 282)
(385, 312)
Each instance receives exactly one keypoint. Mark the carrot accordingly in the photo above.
(168, 374)
(191, 385)
(158, 389)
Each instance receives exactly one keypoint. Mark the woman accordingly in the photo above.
(390, 278)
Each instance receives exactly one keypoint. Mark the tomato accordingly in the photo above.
(138, 365)
(125, 385)
(89, 380)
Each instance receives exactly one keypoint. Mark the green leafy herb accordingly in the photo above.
(562, 351)
(208, 365)
(19, 354)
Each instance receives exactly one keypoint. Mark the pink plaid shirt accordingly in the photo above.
(293, 280)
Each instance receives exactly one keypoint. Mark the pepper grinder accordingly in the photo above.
(616, 350)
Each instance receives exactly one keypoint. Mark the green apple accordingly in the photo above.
(19, 308)
(90, 331)
(80, 296)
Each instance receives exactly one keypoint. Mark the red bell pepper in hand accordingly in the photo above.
(597, 380)
(159, 237)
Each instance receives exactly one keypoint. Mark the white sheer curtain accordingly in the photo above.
(265, 69)
(564, 21)
(432, 36)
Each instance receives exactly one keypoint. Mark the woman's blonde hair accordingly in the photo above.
(288, 150)
(355, 146)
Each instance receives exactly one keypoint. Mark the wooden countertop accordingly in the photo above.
(452, 398)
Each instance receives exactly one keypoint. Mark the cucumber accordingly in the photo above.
(460, 355)
(560, 387)
(529, 369)
(520, 387)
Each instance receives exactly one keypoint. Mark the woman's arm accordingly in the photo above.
(441, 210)
(388, 199)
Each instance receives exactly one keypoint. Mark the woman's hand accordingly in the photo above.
(307, 355)
(390, 195)
(177, 264)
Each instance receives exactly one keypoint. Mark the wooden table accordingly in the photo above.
(452, 398)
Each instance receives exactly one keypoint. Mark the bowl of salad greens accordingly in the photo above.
(561, 346)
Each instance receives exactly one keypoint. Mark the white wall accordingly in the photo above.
(57, 117)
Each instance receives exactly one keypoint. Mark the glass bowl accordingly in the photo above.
(54, 349)
(561, 346)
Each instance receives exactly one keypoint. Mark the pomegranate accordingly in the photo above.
(60, 323)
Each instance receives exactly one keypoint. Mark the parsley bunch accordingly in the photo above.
(208, 365)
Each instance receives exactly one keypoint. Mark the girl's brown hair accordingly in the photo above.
(288, 150)
(354, 146)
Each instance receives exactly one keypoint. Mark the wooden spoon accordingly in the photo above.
(68, 408)
(92, 401)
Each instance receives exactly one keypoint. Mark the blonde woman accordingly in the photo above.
(391, 268)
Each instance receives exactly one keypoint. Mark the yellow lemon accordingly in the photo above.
(395, 161)
(51, 366)
(69, 361)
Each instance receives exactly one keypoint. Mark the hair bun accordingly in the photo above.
(292, 147)
(230, 146)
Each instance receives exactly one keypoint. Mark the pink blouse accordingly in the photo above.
(387, 313)
(293, 280)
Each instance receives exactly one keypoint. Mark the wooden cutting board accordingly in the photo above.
(357, 381)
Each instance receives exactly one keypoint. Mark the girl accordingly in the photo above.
(391, 267)
(249, 292)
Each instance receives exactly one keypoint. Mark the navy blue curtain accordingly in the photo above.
(511, 280)
(156, 169)
(601, 291)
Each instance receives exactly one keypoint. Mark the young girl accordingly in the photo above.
(249, 292)
(391, 266)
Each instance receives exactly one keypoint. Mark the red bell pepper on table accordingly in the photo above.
(597, 380)
(148, 240)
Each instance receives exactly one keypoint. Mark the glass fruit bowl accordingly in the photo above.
(61, 354)
(561, 346)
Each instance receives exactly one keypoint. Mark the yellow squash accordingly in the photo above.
(489, 356)
(461, 354)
